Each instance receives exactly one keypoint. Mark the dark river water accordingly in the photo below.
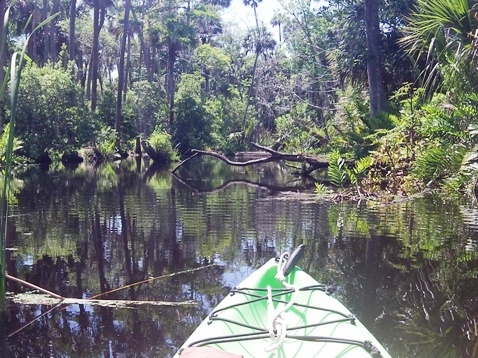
(407, 269)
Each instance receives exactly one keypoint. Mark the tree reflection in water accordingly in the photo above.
(405, 269)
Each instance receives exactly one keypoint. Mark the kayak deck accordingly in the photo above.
(318, 325)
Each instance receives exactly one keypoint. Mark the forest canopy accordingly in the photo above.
(391, 85)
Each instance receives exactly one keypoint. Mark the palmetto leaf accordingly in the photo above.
(444, 33)
(437, 162)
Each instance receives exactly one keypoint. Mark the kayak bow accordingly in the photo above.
(281, 311)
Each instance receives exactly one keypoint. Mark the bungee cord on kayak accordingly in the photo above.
(277, 325)
(262, 333)
(290, 312)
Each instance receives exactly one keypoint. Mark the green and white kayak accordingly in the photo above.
(281, 311)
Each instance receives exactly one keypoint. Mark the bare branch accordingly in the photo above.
(310, 163)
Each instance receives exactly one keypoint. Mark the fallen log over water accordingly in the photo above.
(309, 163)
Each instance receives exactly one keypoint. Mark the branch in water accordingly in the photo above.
(42, 299)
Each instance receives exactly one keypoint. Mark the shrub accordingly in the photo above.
(194, 126)
(106, 141)
(17, 144)
(160, 142)
(145, 107)
(50, 113)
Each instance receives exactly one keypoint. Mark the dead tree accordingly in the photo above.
(309, 163)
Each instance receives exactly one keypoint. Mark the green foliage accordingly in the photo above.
(444, 33)
(320, 189)
(194, 126)
(106, 108)
(437, 162)
(361, 166)
(337, 171)
(428, 139)
(352, 126)
(147, 104)
(464, 180)
(352, 108)
(297, 131)
(106, 141)
(106, 112)
(50, 113)
(160, 141)
(214, 64)
(226, 113)
(17, 144)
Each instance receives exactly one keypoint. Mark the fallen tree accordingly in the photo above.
(308, 163)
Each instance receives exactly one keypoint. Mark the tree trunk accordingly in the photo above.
(378, 99)
(88, 77)
(46, 34)
(3, 59)
(145, 54)
(171, 87)
(127, 72)
(33, 43)
(72, 39)
(99, 16)
(52, 32)
(93, 79)
(121, 71)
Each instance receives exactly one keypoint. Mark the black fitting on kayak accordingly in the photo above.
(293, 259)
(370, 348)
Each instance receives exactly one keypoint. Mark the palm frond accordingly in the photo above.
(442, 33)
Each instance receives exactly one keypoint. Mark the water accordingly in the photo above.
(408, 270)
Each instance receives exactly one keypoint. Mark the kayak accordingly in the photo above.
(281, 311)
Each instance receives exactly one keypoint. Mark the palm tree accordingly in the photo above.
(99, 16)
(378, 99)
(121, 72)
(253, 4)
(277, 20)
(177, 35)
(72, 36)
(444, 33)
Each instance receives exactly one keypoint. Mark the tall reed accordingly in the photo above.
(3, 213)
(12, 76)
(7, 175)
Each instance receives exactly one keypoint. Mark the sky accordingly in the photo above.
(243, 16)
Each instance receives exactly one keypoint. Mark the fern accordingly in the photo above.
(363, 164)
(337, 169)
(339, 173)
(320, 189)
(437, 162)
(467, 175)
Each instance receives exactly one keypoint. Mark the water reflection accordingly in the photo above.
(408, 270)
